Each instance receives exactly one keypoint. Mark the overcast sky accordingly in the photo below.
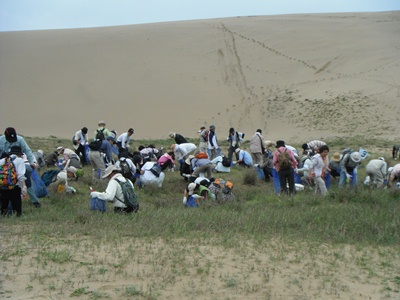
(55, 14)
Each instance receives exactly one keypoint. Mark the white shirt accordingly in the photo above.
(113, 191)
(148, 175)
(124, 139)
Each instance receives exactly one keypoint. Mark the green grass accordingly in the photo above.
(344, 216)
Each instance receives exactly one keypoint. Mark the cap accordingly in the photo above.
(171, 134)
(381, 158)
(110, 138)
(237, 150)
(212, 127)
(191, 188)
(102, 122)
(11, 134)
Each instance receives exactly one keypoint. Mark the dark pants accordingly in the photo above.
(13, 196)
(81, 152)
(231, 150)
(126, 209)
(286, 176)
(267, 173)
(167, 164)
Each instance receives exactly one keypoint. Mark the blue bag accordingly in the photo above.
(97, 204)
(277, 183)
(38, 185)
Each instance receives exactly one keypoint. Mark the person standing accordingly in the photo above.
(102, 128)
(80, 142)
(13, 193)
(285, 164)
(319, 168)
(203, 134)
(124, 139)
(234, 139)
(96, 158)
(257, 147)
(213, 149)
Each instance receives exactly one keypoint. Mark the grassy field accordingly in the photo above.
(260, 246)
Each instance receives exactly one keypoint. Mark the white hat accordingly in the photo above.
(390, 169)
(59, 149)
(72, 169)
(171, 134)
(40, 151)
(191, 188)
(108, 171)
(237, 150)
(355, 156)
(381, 158)
(102, 122)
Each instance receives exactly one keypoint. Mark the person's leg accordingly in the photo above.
(53, 187)
(231, 150)
(4, 200)
(160, 180)
(16, 201)
(259, 159)
(320, 187)
(342, 179)
(290, 178)
(282, 181)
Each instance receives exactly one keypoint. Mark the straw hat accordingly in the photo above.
(336, 156)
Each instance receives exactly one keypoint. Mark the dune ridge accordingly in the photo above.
(296, 77)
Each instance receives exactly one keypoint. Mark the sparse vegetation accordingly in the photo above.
(216, 251)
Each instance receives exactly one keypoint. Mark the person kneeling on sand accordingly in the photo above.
(113, 192)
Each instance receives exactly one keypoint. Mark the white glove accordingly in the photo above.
(348, 176)
(195, 196)
(296, 170)
(73, 190)
(213, 196)
(24, 190)
(94, 194)
(184, 200)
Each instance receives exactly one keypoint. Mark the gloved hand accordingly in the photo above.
(296, 170)
(348, 176)
(94, 194)
(24, 190)
(184, 200)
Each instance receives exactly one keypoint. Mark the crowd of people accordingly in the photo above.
(112, 162)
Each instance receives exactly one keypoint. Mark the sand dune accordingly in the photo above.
(297, 77)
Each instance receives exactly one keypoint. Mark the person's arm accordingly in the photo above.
(109, 193)
(25, 149)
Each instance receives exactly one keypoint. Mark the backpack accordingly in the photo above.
(100, 134)
(156, 170)
(225, 162)
(48, 176)
(344, 152)
(201, 155)
(130, 197)
(205, 135)
(8, 175)
(226, 186)
(284, 160)
(125, 168)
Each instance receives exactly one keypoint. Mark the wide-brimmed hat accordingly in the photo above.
(191, 188)
(355, 156)
(237, 150)
(101, 123)
(11, 134)
(212, 127)
(171, 134)
(59, 149)
(72, 170)
(16, 150)
(336, 156)
(280, 143)
(109, 170)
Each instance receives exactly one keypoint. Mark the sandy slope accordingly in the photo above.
(297, 77)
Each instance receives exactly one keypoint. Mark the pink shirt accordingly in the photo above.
(276, 156)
